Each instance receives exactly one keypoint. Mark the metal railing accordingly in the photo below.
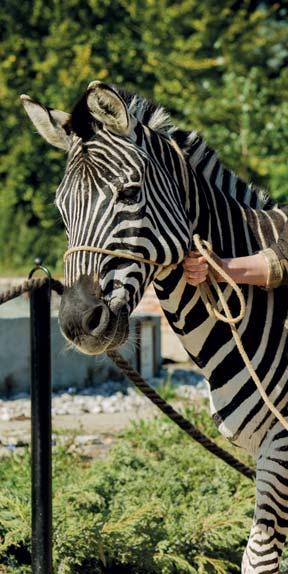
(41, 427)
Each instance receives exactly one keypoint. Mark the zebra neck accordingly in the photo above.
(206, 164)
(220, 202)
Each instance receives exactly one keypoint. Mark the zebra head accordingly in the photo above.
(123, 191)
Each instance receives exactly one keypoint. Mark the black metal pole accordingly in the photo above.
(41, 428)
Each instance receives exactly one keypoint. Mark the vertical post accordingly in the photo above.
(41, 429)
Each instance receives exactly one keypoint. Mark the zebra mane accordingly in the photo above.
(148, 113)
(197, 150)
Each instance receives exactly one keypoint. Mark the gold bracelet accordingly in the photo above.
(275, 273)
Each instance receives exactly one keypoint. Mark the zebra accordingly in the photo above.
(135, 184)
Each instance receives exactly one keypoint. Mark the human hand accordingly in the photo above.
(250, 270)
(195, 268)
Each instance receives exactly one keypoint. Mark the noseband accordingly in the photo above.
(130, 256)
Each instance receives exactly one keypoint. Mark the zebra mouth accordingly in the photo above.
(89, 324)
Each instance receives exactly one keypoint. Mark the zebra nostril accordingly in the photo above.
(96, 320)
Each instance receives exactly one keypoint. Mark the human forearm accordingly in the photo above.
(263, 269)
(251, 270)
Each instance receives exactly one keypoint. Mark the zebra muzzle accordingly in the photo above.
(95, 322)
(88, 322)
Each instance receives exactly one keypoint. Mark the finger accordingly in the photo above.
(195, 264)
(195, 278)
(196, 283)
(193, 254)
(195, 260)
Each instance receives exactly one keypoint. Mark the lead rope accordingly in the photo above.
(177, 417)
(205, 249)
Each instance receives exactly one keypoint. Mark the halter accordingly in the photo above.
(209, 301)
(130, 256)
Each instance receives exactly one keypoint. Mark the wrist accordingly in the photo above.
(275, 271)
(251, 270)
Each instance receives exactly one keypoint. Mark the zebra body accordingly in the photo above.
(210, 343)
(136, 184)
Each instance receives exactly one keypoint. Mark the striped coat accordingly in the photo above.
(133, 182)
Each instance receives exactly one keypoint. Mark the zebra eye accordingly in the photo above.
(129, 194)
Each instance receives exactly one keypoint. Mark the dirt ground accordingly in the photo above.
(86, 424)
(91, 435)
(94, 434)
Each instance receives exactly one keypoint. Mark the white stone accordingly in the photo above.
(87, 439)
(96, 410)
(5, 416)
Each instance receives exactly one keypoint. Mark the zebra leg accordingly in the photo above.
(270, 523)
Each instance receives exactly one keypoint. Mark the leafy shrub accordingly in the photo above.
(159, 504)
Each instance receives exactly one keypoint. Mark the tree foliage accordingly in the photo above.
(219, 66)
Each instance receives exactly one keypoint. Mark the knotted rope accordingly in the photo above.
(205, 249)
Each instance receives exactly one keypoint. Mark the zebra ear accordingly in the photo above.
(52, 125)
(106, 106)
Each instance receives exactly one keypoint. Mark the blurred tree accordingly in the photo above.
(219, 66)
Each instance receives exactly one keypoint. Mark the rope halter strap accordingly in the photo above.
(209, 301)
(130, 256)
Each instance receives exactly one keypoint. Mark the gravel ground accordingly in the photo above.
(90, 419)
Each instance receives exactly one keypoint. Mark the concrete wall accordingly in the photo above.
(69, 367)
(171, 348)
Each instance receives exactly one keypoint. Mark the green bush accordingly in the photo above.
(159, 505)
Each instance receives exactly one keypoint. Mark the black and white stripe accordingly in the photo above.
(237, 221)
(147, 193)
